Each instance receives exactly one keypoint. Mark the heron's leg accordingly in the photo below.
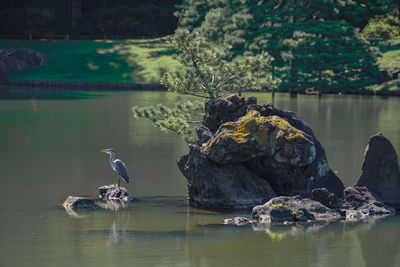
(119, 181)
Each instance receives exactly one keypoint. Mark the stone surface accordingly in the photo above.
(325, 197)
(316, 175)
(361, 204)
(204, 135)
(222, 187)
(380, 170)
(239, 221)
(242, 144)
(80, 203)
(226, 109)
(253, 136)
(19, 59)
(110, 192)
(293, 209)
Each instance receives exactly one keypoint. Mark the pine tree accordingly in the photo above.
(311, 47)
(206, 74)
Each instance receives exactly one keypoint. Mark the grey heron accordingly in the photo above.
(117, 165)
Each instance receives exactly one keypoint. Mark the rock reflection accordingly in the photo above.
(73, 213)
(115, 204)
(279, 232)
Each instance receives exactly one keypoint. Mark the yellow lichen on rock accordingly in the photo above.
(254, 135)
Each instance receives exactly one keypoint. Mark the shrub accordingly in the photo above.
(383, 27)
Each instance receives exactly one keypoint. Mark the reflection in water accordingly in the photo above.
(114, 205)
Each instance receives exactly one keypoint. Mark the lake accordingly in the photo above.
(50, 149)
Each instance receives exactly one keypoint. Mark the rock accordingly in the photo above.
(325, 197)
(204, 135)
(222, 187)
(20, 58)
(218, 111)
(242, 144)
(293, 209)
(110, 192)
(80, 203)
(253, 136)
(380, 171)
(316, 175)
(362, 204)
(238, 221)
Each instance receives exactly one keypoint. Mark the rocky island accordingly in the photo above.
(259, 158)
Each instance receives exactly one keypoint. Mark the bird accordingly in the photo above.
(117, 165)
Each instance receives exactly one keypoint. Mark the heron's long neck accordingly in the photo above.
(112, 159)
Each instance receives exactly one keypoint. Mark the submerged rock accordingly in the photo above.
(111, 192)
(253, 136)
(380, 170)
(293, 209)
(80, 203)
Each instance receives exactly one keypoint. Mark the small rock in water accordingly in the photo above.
(362, 204)
(80, 203)
(239, 221)
(111, 192)
(293, 209)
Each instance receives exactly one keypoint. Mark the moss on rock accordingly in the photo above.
(254, 135)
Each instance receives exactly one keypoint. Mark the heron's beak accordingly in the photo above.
(105, 151)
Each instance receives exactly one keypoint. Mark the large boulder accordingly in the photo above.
(222, 187)
(293, 209)
(253, 136)
(316, 175)
(242, 144)
(380, 170)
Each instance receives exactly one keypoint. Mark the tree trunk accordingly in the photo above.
(294, 62)
(398, 8)
(293, 75)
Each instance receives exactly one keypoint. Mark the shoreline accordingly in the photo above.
(81, 86)
(105, 86)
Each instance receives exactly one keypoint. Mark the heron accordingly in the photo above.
(117, 165)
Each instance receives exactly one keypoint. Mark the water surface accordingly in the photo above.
(51, 149)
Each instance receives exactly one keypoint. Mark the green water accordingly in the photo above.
(50, 148)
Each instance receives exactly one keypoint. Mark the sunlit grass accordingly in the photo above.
(390, 60)
(386, 86)
(135, 61)
(150, 58)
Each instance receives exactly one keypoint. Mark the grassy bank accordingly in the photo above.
(131, 61)
(134, 61)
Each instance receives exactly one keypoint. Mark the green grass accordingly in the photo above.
(136, 61)
(393, 85)
(390, 60)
